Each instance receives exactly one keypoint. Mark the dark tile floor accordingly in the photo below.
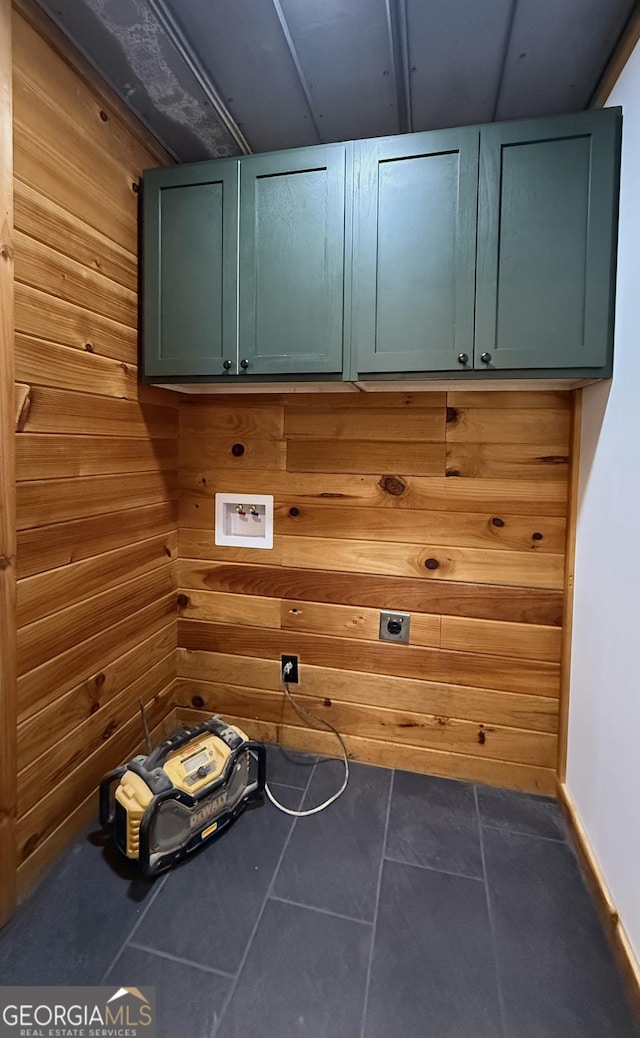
(414, 907)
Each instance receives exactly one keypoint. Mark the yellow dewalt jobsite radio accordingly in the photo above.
(162, 807)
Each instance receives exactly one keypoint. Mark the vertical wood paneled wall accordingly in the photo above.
(449, 506)
(7, 488)
(96, 457)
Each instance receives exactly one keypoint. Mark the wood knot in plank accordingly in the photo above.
(452, 472)
(481, 736)
(431, 564)
(167, 550)
(94, 708)
(238, 450)
(5, 562)
(326, 702)
(536, 536)
(452, 414)
(293, 512)
(497, 521)
(329, 494)
(554, 459)
(392, 485)
(183, 601)
(109, 730)
(103, 115)
(197, 702)
(6, 252)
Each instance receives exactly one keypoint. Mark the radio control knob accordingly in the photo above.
(203, 771)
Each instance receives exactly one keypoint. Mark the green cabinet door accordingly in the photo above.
(291, 269)
(190, 269)
(547, 219)
(414, 252)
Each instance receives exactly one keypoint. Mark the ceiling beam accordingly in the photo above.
(618, 58)
(397, 29)
(183, 47)
(286, 32)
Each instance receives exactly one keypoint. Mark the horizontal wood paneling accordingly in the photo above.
(96, 455)
(412, 526)
(387, 754)
(449, 507)
(45, 501)
(475, 565)
(369, 722)
(463, 668)
(522, 605)
(42, 316)
(51, 767)
(535, 713)
(56, 589)
(325, 422)
(438, 494)
(42, 363)
(87, 660)
(49, 547)
(38, 217)
(44, 729)
(364, 456)
(57, 411)
(60, 457)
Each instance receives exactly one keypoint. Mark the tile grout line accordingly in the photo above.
(323, 911)
(432, 868)
(234, 983)
(367, 983)
(490, 916)
(517, 832)
(146, 908)
(176, 958)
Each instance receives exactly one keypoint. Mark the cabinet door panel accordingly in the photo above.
(414, 251)
(292, 237)
(190, 269)
(546, 235)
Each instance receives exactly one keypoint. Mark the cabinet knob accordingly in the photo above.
(485, 358)
(463, 358)
(244, 364)
(227, 364)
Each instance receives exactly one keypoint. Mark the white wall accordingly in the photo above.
(603, 775)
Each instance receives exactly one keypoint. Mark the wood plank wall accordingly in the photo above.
(7, 488)
(449, 506)
(96, 457)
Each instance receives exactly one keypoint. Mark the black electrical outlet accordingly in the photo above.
(289, 669)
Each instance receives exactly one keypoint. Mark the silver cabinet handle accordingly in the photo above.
(227, 364)
(463, 358)
(244, 364)
(485, 358)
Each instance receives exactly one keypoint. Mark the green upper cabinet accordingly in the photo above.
(477, 251)
(189, 269)
(291, 268)
(414, 247)
(547, 220)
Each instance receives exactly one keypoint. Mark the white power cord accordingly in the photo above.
(315, 720)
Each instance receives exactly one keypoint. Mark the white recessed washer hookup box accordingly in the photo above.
(244, 522)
